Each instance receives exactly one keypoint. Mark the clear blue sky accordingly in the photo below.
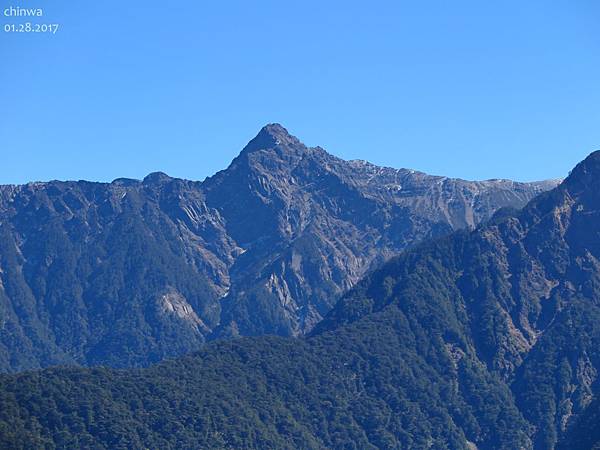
(472, 89)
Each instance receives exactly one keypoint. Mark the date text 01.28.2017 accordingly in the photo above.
(29, 27)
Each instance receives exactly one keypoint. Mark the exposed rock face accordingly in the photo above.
(130, 272)
(319, 223)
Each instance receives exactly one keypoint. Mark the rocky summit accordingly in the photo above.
(130, 272)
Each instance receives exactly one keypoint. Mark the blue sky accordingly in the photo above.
(471, 89)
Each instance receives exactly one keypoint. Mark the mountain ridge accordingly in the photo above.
(268, 135)
(529, 283)
(270, 243)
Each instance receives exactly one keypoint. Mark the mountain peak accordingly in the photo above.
(586, 173)
(272, 135)
(591, 163)
(156, 178)
(276, 130)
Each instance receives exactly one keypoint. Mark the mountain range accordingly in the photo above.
(128, 273)
(486, 338)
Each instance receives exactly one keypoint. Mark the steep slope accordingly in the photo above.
(484, 339)
(131, 272)
(525, 289)
(97, 274)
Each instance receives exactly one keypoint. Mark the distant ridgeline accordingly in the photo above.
(483, 339)
(128, 273)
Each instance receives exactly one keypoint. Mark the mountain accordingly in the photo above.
(484, 339)
(519, 295)
(131, 272)
(319, 223)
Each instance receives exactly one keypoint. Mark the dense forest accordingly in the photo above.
(374, 384)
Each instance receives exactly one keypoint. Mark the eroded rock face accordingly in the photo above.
(320, 223)
(175, 305)
(263, 247)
